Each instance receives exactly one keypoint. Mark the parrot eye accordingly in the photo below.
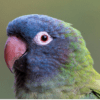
(42, 38)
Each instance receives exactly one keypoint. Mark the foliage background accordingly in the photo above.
(83, 14)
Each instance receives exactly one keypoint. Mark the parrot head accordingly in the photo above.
(44, 53)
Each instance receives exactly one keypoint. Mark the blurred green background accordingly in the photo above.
(83, 14)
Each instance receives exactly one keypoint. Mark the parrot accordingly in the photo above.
(49, 60)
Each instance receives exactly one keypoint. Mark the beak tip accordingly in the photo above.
(14, 48)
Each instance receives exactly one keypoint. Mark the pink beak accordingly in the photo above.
(14, 48)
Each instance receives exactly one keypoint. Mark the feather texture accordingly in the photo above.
(61, 69)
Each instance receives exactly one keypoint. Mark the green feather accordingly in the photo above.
(77, 79)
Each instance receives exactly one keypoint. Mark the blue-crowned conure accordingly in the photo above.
(49, 60)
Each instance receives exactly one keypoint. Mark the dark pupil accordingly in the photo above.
(44, 38)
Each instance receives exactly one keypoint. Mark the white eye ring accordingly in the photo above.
(38, 38)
